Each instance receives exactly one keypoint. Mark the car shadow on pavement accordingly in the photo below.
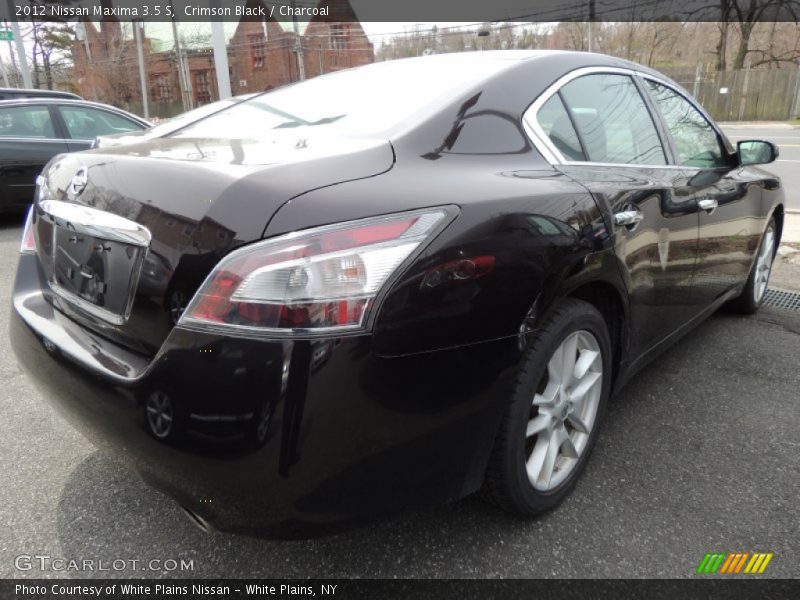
(106, 512)
(9, 221)
(681, 467)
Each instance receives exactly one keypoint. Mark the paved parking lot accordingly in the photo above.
(698, 454)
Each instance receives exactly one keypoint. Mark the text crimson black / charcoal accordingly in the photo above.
(255, 11)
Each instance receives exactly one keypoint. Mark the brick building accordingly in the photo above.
(261, 56)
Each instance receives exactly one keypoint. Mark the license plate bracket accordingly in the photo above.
(96, 274)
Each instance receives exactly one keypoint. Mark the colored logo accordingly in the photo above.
(733, 563)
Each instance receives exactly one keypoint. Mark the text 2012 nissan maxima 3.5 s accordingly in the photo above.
(386, 287)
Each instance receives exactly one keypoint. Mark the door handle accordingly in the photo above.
(707, 204)
(628, 217)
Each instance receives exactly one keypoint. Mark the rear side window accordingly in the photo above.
(612, 120)
(695, 140)
(555, 122)
(26, 122)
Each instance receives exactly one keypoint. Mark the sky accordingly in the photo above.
(379, 31)
(376, 31)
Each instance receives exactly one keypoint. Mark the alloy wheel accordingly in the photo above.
(564, 411)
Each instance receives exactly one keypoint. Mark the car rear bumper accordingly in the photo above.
(274, 438)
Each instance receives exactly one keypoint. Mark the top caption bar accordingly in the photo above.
(403, 10)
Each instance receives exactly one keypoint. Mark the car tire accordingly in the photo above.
(751, 298)
(517, 476)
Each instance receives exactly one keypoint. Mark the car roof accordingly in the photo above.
(34, 93)
(507, 59)
(70, 102)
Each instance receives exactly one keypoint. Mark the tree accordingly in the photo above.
(724, 28)
(748, 13)
(53, 42)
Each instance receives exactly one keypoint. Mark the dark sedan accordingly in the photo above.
(387, 287)
(34, 130)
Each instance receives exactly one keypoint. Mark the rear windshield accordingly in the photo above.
(369, 100)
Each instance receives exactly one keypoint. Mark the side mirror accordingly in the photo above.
(756, 152)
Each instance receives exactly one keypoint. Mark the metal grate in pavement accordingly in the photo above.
(782, 299)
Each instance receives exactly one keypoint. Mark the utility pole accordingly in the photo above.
(4, 73)
(138, 26)
(220, 57)
(743, 101)
(11, 57)
(182, 71)
(81, 33)
(592, 17)
(697, 73)
(298, 46)
(23, 59)
(795, 111)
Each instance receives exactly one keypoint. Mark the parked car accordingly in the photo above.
(405, 282)
(17, 93)
(34, 130)
(168, 126)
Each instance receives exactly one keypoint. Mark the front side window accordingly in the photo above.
(695, 140)
(84, 123)
(612, 120)
(26, 122)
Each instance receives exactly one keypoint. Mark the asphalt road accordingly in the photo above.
(787, 167)
(698, 454)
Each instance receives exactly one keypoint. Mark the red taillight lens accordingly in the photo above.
(322, 278)
(28, 245)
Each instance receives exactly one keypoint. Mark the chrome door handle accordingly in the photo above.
(707, 204)
(628, 217)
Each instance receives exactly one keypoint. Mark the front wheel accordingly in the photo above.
(756, 287)
(548, 430)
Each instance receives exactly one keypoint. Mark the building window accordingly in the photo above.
(202, 87)
(160, 88)
(338, 39)
(257, 50)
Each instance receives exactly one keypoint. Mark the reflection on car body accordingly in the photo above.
(387, 287)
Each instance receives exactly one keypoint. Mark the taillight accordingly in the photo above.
(310, 281)
(28, 245)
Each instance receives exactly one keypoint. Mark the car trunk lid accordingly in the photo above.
(196, 199)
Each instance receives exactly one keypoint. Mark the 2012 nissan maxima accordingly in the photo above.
(387, 287)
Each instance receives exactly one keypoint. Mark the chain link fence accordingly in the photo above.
(743, 95)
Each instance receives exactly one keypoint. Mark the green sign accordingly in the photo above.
(6, 35)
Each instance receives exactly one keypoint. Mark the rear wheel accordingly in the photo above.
(548, 430)
(756, 287)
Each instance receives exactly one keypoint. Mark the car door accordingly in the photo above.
(84, 123)
(600, 129)
(28, 140)
(730, 220)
